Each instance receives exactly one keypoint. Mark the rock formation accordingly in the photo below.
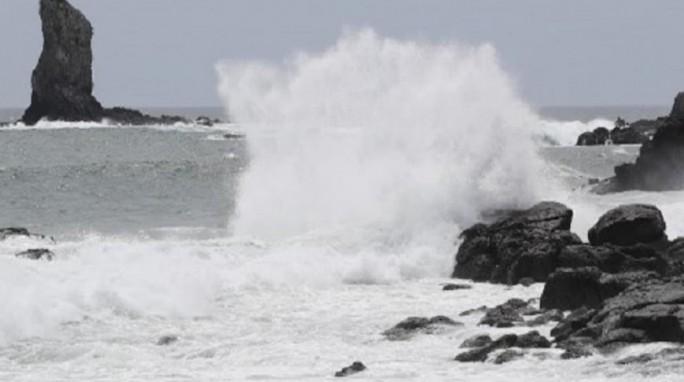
(63, 79)
(660, 165)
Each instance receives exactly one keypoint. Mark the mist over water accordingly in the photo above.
(402, 141)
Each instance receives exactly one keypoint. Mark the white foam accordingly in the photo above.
(388, 146)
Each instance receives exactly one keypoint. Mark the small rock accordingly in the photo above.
(469, 312)
(405, 329)
(167, 340)
(37, 254)
(449, 287)
(508, 356)
(526, 281)
(574, 353)
(477, 341)
(354, 368)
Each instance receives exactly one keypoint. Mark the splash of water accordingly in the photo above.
(400, 136)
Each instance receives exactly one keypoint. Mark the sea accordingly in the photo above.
(284, 255)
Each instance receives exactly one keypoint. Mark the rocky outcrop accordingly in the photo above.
(651, 311)
(660, 164)
(526, 341)
(525, 244)
(62, 81)
(628, 225)
(637, 133)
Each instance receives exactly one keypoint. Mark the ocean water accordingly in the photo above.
(283, 256)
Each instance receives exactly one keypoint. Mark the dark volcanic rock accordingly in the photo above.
(62, 81)
(450, 287)
(354, 368)
(645, 312)
(13, 231)
(523, 245)
(508, 356)
(412, 325)
(124, 116)
(660, 165)
(628, 225)
(533, 340)
(477, 341)
(37, 254)
(505, 315)
(569, 289)
(480, 354)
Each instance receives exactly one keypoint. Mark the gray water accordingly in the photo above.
(67, 181)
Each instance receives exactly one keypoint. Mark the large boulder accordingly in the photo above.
(569, 289)
(62, 81)
(628, 225)
(525, 244)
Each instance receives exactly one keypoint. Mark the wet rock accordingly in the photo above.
(477, 341)
(412, 325)
(13, 231)
(629, 225)
(660, 165)
(569, 289)
(482, 309)
(508, 356)
(525, 244)
(131, 117)
(354, 368)
(575, 353)
(671, 355)
(206, 121)
(167, 340)
(526, 281)
(533, 340)
(552, 315)
(450, 287)
(505, 315)
(573, 323)
(37, 254)
(232, 136)
(480, 354)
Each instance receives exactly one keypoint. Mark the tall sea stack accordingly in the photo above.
(62, 81)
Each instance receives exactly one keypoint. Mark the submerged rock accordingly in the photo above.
(354, 368)
(125, 116)
(451, 287)
(508, 356)
(480, 354)
(412, 325)
(167, 340)
(477, 341)
(506, 315)
(13, 231)
(37, 254)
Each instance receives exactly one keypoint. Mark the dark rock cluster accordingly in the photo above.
(660, 165)
(636, 133)
(413, 325)
(625, 286)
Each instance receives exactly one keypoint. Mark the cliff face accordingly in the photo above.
(62, 81)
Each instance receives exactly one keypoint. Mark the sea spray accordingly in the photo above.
(383, 145)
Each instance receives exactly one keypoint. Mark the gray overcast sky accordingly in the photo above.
(560, 52)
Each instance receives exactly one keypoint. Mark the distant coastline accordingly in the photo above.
(14, 114)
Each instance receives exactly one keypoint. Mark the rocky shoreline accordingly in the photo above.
(626, 286)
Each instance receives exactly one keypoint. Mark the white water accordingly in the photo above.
(366, 161)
